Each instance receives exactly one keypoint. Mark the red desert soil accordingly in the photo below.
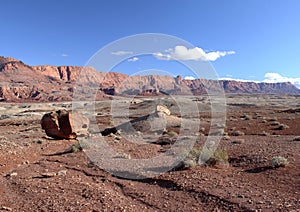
(40, 174)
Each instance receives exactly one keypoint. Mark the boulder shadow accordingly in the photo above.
(258, 169)
(167, 184)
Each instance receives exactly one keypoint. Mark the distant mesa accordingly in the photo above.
(21, 82)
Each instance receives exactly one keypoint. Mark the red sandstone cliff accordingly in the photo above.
(21, 82)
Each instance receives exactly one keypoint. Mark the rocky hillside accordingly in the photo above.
(21, 82)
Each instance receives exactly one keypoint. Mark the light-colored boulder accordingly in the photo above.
(165, 110)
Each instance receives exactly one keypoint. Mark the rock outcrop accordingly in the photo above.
(64, 125)
(231, 86)
(157, 121)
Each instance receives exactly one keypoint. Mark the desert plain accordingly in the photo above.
(39, 173)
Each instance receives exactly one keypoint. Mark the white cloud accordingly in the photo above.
(276, 77)
(64, 55)
(183, 53)
(189, 78)
(121, 53)
(238, 80)
(134, 59)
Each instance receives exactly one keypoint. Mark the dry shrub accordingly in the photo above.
(206, 156)
(278, 161)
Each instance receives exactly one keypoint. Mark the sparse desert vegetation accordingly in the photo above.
(232, 179)
(150, 106)
(205, 156)
(278, 161)
(76, 147)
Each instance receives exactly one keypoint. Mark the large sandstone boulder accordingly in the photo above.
(64, 125)
(157, 121)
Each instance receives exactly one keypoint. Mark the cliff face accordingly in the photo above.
(252, 87)
(20, 82)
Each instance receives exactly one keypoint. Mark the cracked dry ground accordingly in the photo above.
(35, 178)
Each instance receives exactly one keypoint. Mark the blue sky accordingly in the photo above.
(259, 39)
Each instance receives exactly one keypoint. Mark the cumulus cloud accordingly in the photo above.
(183, 53)
(64, 55)
(276, 77)
(134, 59)
(121, 53)
(189, 78)
(238, 80)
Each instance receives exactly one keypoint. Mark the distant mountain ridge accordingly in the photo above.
(21, 82)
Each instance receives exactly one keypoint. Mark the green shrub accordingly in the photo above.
(220, 156)
(195, 153)
(78, 146)
(189, 163)
(278, 161)
(172, 133)
(204, 155)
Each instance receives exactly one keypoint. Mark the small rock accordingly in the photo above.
(118, 138)
(238, 141)
(124, 156)
(26, 162)
(13, 174)
(282, 127)
(260, 202)
(5, 208)
(263, 133)
(226, 137)
(237, 133)
(49, 174)
(62, 172)
(240, 196)
(111, 135)
(296, 139)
